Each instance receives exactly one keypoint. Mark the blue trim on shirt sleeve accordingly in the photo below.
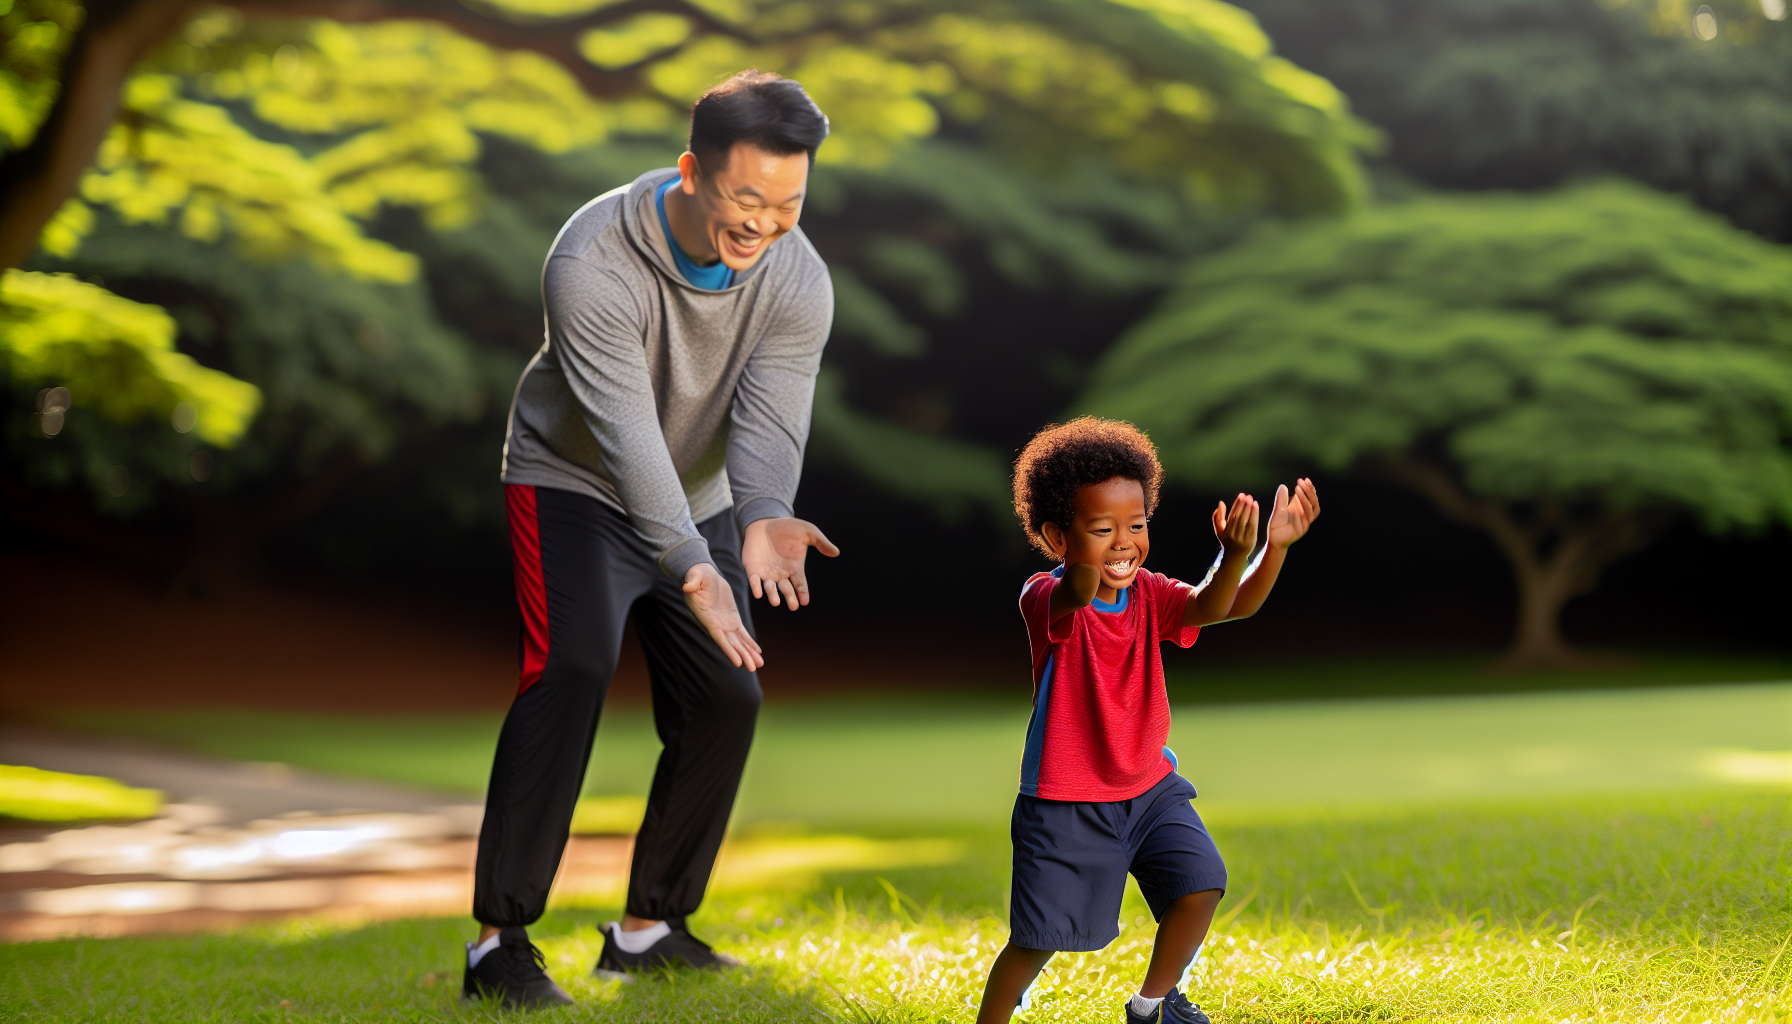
(1035, 748)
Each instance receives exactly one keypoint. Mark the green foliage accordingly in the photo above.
(347, 367)
(314, 201)
(951, 476)
(32, 794)
(1523, 94)
(33, 34)
(116, 356)
(1604, 343)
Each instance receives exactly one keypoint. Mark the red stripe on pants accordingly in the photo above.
(531, 588)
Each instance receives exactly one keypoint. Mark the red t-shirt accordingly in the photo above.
(1100, 713)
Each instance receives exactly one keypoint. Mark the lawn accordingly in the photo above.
(1613, 856)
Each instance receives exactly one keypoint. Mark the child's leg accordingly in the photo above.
(1179, 934)
(1014, 969)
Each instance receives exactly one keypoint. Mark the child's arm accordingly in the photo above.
(1237, 532)
(1288, 522)
(1077, 588)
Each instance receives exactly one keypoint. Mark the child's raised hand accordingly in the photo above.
(1290, 519)
(1236, 529)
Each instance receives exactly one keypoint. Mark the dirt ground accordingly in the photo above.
(78, 634)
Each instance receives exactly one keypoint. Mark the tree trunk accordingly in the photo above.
(37, 180)
(1554, 555)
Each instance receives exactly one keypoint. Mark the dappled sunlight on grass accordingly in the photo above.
(1602, 857)
(1617, 908)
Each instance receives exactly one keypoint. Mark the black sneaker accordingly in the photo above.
(516, 973)
(677, 948)
(1175, 1009)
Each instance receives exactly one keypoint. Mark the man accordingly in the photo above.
(653, 452)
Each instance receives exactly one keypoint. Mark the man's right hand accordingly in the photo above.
(711, 600)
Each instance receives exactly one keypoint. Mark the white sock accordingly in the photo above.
(477, 953)
(639, 941)
(1143, 1005)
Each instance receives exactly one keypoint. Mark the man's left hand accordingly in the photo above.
(773, 552)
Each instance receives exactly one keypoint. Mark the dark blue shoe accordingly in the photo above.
(1175, 1009)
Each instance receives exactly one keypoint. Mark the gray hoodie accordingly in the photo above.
(666, 401)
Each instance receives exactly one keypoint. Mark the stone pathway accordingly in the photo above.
(240, 842)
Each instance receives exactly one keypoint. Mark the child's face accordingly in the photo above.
(1111, 530)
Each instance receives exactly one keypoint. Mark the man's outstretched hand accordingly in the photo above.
(711, 600)
(773, 552)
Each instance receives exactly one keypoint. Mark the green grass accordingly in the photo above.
(1604, 856)
(932, 758)
(1195, 679)
(1614, 908)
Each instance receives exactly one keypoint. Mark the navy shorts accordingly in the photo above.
(1071, 860)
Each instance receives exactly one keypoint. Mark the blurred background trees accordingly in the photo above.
(1566, 373)
(338, 225)
(352, 218)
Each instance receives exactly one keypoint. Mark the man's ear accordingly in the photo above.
(1054, 539)
(688, 171)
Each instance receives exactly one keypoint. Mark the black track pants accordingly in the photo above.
(581, 570)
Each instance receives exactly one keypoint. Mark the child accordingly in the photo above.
(1099, 793)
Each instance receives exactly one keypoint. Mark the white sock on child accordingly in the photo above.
(639, 941)
(1142, 1005)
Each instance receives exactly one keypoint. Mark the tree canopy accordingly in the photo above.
(1526, 94)
(1562, 371)
(350, 215)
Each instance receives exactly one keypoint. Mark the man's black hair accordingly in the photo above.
(756, 107)
(1063, 458)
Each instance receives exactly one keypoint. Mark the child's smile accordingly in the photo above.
(1112, 530)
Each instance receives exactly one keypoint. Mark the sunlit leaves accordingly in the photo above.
(634, 40)
(173, 160)
(115, 356)
(880, 104)
(409, 100)
(1605, 343)
(33, 34)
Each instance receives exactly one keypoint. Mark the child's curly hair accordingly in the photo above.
(1064, 457)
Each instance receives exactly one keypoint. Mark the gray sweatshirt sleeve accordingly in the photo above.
(772, 406)
(595, 327)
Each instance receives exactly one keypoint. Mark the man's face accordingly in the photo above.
(1111, 530)
(749, 204)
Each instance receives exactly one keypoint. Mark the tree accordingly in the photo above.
(279, 185)
(1564, 372)
(74, 336)
(1481, 94)
(1176, 90)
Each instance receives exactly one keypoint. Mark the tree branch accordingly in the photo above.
(556, 39)
(37, 180)
(1518, 543)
